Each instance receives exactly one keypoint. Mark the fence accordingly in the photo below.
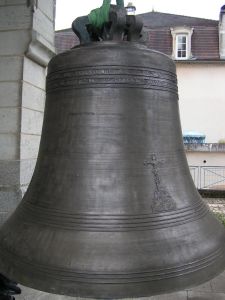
(212, 177)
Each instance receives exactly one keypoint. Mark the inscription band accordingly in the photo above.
(110, 77)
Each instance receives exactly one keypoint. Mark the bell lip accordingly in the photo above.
(123, 291)
(112, 290)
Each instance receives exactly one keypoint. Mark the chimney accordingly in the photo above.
(222, 32)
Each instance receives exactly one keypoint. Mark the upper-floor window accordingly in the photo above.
(181, 46)
(181, 43)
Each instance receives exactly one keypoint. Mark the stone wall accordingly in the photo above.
(26, 45)
(33, 100)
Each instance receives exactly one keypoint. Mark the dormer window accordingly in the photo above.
(181, 43)
(181, 46)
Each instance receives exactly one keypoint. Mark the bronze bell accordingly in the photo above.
(112, 211)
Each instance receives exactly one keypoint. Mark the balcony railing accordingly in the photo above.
(212, 177)
(205, 147)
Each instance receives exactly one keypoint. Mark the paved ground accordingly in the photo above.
(217, 204)
(212, 290)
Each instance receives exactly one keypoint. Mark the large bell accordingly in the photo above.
(111, 211)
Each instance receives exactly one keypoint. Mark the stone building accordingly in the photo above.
(26, 45)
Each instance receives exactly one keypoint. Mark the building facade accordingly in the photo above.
(26, 46)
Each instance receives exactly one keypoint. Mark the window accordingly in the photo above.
(181, 43)
(181, 46)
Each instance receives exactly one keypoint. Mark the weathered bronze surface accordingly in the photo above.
(112, 211)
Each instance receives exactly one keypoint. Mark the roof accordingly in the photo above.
(65, 40)
(205, 38)
(158, 19)
(205, 41)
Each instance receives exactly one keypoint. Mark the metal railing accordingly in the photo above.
(211, 177)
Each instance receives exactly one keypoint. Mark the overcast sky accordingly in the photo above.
(68, 10)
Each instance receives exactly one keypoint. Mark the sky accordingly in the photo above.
(68, 10)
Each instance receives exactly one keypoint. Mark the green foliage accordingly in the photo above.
(221, 141)
(220, 217)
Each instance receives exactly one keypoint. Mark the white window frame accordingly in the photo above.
(176, 33)
(181, 35)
